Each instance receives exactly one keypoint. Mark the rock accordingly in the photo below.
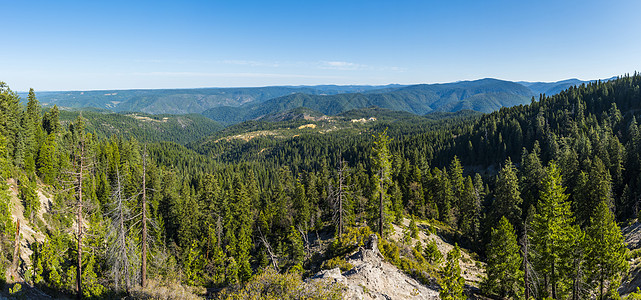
(373, 278)
(333, 274)
(372, 243)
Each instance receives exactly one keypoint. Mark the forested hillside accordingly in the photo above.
(144, 127)
(233, 105)
(483, 95)
(535, 193)
(182, 101)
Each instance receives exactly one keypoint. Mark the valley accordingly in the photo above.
(368, 202)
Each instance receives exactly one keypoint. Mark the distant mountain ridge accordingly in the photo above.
(483, 95)
(183, 101)
(233, 105)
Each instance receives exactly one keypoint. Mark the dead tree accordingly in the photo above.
(143, 267)
(305, 238)
(272, 256)
(338, 196)
(121, 250)
(80, 169)
(529, 276)
(16, 250)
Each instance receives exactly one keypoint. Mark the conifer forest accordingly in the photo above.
(533, 201)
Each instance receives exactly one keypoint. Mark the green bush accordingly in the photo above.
(431, 253)
(337, 262)
(271, 285)
(353, 238)
(389, 250)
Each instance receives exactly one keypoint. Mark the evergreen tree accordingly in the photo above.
(451, 281)
(606, 258)
(470, 210)
(10, 115)
(47, 160)
(554, 235)
(507, 201)
(444, 197)
(29, 198)
(51, 120)
(381, 167)
(503, 269)
(458, 188)
(532, 174)
(243, 223)
(301, 206)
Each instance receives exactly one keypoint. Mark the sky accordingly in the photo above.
(93, 45)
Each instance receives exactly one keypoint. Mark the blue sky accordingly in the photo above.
(84, 45)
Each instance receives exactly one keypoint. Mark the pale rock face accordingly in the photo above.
(373, 278)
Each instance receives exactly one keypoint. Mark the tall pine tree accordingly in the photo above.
(503, 269)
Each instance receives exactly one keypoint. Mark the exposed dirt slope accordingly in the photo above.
(632, 280)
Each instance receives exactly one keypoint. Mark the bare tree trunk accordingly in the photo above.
(601, 286)
(16, 249)
(340, 199)
(143, 270)
(336, 199)
(526, 274)
(79, 221)
(271, 254)
(380, 220)
(123, 241)
(553, 277)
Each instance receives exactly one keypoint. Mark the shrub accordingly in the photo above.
(353, 238)
(337, 262)
(271, 285)
(389, 250)
(432, 254)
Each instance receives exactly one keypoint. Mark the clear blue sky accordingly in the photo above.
(82, 45)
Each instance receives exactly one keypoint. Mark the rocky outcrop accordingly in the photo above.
(373, 278)
(632, 279)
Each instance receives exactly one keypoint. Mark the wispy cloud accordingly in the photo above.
(251, 63)
(342, 65)
(234, 75)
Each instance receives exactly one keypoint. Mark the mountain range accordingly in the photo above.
(234, 105)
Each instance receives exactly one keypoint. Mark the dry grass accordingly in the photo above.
(168, 290)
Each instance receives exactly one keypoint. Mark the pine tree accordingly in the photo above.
(301, 206)
(29, 198)
(339, 197)
(470, 208)
(34, 134)
(503, 269)
(554, 235)
(144, 220)
(531, 176)
(444, 196)
(243, 229)
(51, 120)
(78, 173)
(458, 188)
(599, 190)
(507, 202)
(451, 281)
(10, 114)
(382, 167)
(47, 162)
(606, 258)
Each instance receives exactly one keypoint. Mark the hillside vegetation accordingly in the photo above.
(233, 105)
(485, 95)
(145, 127)
(180, 101)
(526, 201)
